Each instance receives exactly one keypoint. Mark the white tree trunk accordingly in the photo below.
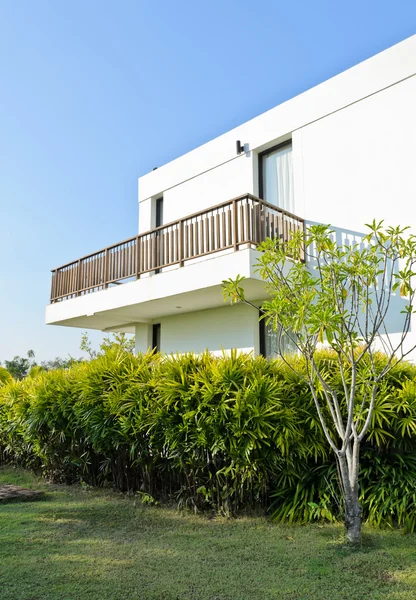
(348, 466)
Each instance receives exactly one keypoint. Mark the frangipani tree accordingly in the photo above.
(324, 292)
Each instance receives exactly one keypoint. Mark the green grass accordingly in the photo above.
(96, 544)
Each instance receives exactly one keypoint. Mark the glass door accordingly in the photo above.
(276, 186)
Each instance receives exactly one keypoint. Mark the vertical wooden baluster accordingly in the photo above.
(86, 274)
(186, 242)
(241, 228)
(94, 282)
(78, 277)
(258, 219)
(147, 253)
(153, 251)
(52, 294)
(211, 233)
(235, 225)
(206, 235)
(105, 270)
(181, 249)
(229, 217)
(196, 233)
(137, 256)
(171, 240)
(202, 235)
(176, 230)
(191, 239)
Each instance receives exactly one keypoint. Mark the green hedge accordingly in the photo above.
(229, 434)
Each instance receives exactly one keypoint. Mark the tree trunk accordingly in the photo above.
(353, 519)
(349, 479)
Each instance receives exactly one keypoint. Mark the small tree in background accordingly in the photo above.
(117, 340)
(19, 367)
(341, 296)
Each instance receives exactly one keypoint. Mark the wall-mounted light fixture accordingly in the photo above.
(239, 147)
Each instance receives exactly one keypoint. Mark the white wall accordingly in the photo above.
(227, 181)
(219, 185)
(359, 163)
(213, 173)
(215, 329)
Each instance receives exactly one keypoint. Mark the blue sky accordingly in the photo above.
(95, 94)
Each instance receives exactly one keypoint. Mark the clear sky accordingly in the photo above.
(93, 94)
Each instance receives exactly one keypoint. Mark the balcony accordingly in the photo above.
(241, 222)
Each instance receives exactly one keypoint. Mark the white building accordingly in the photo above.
(342, 153)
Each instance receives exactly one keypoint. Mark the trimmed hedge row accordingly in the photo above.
(226, 434)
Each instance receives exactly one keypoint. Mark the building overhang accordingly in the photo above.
(195, 287)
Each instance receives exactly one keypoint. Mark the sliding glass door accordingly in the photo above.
(276, 185)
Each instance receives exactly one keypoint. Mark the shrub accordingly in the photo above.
(228, 434)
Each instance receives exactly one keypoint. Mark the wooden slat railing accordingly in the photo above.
(240, 221)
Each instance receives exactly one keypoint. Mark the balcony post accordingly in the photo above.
(105, 274)
(79, 277)
(181, 253)
(53, 286)
(137, 258)
(235, 224)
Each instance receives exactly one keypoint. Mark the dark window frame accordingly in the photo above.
(265, 153)
(158, 218)
(156, 336)
(159, 212)
(262, 336)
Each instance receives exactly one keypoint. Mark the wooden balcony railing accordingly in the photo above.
(240, 221)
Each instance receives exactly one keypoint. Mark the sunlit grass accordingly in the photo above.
(96, 544)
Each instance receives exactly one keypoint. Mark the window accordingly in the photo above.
(159, 212)
(273, 343)
(276, 176)
(156, 337)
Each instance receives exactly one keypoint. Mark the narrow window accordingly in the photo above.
(159, 211)
(156, 337)
(276, 177)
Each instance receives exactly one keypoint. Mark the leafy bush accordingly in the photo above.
(227, 434)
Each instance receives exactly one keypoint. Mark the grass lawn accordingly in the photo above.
(97, 544)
